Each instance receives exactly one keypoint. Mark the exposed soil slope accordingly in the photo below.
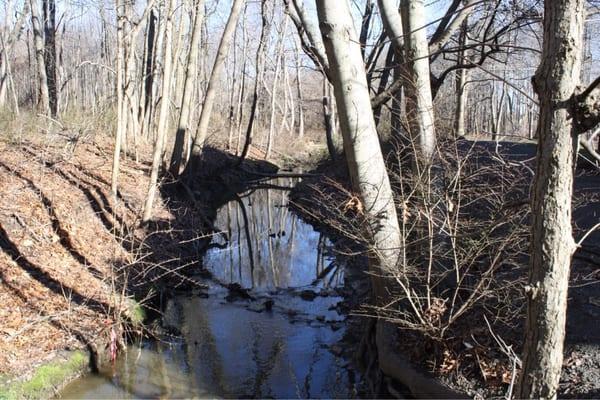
(60, 235)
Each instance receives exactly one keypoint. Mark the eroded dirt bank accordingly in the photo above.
(76, 268)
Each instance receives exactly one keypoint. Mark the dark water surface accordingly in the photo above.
(281, 343)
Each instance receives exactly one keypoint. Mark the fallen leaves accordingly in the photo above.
(35, 320)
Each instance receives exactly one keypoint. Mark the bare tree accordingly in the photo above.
(49, 8)
(552, 244)
(7, 42)
(461, 83)
(163, 113)
(127, 99)
(215, 75)
(278, 67)
(260, 70)
(38, 44)
(182, 136)
(419, 102)
(361, 142)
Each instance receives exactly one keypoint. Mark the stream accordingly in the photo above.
(268, 324)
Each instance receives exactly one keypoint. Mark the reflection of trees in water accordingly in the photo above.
(276, 246)
(242, 208)
(265, 366)
(203, 356)
(308, 377)
(230, 233)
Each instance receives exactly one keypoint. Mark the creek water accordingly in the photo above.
(267, 325)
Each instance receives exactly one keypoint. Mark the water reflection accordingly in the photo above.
(217, 348)
(266, 246)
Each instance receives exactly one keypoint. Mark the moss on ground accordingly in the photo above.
(46, 379)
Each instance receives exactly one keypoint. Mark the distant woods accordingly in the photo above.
(157, 69)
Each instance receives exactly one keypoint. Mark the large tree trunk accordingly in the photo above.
(213, 82)
(38, 45)
(392, 22)
(183, 135)
(552, 243)
(419, 103)
(361, 143)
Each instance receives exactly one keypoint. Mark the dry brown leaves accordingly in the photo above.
(56, 246)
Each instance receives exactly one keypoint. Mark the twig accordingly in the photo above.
(589, 89)
(588, 233)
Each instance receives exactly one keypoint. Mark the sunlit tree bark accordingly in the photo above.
(419, 102)
(361, 143)
(552, 243)
(182, 135)
(43, 100)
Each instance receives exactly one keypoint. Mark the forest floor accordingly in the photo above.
(470, 360)
(61, 234)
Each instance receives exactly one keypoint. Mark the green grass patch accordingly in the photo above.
(46, 379)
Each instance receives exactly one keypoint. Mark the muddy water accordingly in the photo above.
(274, 333)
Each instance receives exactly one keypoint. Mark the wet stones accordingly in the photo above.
(259, 307)
(308, 295)
(237, 292)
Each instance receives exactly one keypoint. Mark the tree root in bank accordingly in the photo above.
(387, 372)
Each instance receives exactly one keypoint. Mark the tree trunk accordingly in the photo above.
(43, 100)
(361, 143)
(148, 74)
(329, 117)
(274, 88)
(183, 134)
(552, 243)
(419, 103)
(163, 114)
(211, 89)
(49, 7)
(365, 26)
(5, 52)
(120, 117)
(260, 70)
(461, 84)
(392, 21)
(312, 32)
(299, 90)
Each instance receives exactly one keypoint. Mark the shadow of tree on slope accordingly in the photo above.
(63, 234)
(45, 278)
